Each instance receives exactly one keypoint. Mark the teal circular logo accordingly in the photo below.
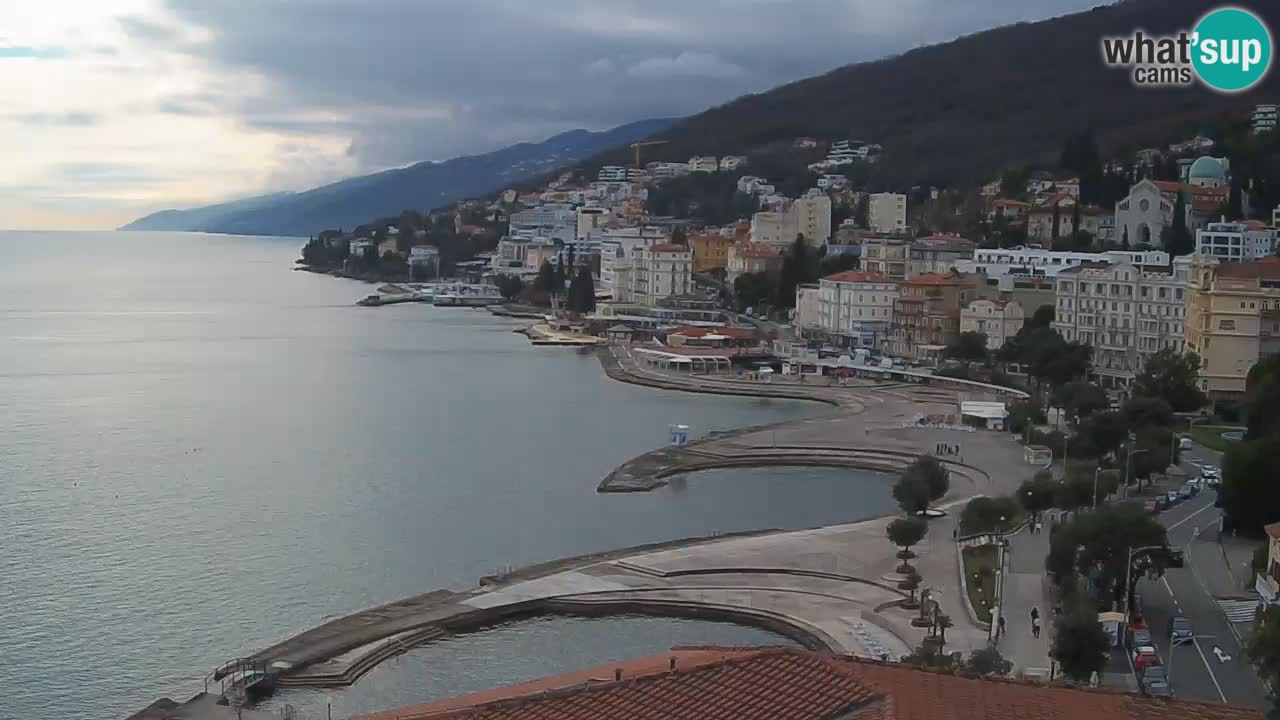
(1231, 49)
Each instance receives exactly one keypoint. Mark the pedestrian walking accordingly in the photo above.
(1039, 527)
(1035, 615)
(1035, 629)
(999, 627)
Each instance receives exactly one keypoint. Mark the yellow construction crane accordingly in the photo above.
(637, 146)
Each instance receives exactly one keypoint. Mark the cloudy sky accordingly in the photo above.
(115, 108)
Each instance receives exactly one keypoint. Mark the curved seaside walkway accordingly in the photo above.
(831, 587)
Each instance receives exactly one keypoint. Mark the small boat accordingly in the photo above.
(371, 301)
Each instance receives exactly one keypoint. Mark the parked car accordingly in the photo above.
(1188, 491)
(1157, 689)
(1173, 497)
(1209, 471)
(1161, 503)
(1144, 656)
(1138, 636)
(1153, 675)
(1186, 444)
(1175, 559)
(1152, 506)
(1180, 629)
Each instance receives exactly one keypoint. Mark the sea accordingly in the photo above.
(203, 451)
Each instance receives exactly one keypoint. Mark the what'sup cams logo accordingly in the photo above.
(1228, 50)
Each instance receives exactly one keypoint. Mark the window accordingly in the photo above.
(1226, 324)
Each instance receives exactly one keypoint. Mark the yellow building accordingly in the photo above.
(1233, 319)
(710, 251)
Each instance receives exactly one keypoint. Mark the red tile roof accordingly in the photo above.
(1007, 202)
(796, 684)
(1266, 269)
(856, 276)
(1168, 186)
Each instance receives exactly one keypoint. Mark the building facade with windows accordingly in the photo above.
(1124, 313)
(926, 315)
(855, 309)
(1233, 320)
(887, 255)
(938, 254)
(745, 257)
(661, 271)
(1236, 241)
(710, 251)
(1039, 263)
(998, 320)
(887, 212)
(617, 251)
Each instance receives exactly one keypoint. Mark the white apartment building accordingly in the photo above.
(590, 219)
(1236, 241)
(855, 309)
(1036, 262)
(768, 228)
(806, 318)
(749, 184)
(670, 170)
(887, 212)
(808, 216)
(811, 216)
(557, 221)
(509, 256)
(886, 255)
(613, 173)
(998, 320)
(618, 248)
(1125, 314)
(660, 271)
(704, 164)
(732, 162)
(833, 182)
(1264, 118)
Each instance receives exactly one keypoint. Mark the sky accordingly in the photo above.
(116, 108)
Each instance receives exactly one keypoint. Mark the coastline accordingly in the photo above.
(338, 652)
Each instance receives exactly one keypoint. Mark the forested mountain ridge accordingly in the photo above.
(961, 111)
(422, 186)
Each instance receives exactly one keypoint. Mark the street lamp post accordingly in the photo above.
(1096, 472)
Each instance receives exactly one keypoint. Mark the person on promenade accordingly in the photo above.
(999, 628)
(1035, 618)
(1035, 629)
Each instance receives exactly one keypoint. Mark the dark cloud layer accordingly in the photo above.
(406, 80)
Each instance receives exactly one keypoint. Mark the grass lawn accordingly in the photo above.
(980, 578)
(1211, 436)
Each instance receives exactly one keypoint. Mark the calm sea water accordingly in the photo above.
(203, 452)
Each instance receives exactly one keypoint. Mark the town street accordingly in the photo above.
(1210, 668)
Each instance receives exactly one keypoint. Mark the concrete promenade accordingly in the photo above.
(832, 587)
(1026, 586)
